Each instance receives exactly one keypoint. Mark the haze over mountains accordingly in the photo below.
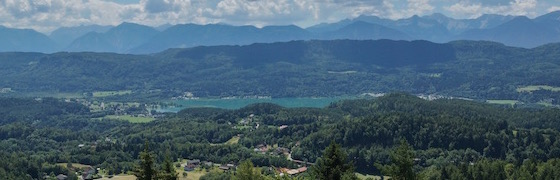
(132, 38)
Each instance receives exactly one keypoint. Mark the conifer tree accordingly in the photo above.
(168, 171)
(145, 170)
(402, 163)
(333, 165)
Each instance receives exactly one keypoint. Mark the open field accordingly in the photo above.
(233, 140)
(365, 176)
(110, 93)
(131, 118)
(76, 165)
(55, 95)
(535, 88)
(120, 177)
(503, 102)
(193, 175)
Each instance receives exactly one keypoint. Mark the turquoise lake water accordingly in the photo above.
(239, 103)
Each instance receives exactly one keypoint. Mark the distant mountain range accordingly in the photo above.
(518, 31)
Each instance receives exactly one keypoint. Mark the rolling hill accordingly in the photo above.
(471, 69)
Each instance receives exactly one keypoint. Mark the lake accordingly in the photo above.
(237, 103)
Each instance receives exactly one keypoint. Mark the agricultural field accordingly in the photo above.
(130, 118)
(530, 89)
(110, 93)
(503, 102)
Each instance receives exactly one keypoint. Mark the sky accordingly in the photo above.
(47, 15)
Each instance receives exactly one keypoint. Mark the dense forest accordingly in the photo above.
(470, 69)
(442, 139)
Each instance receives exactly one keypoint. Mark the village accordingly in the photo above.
(191, 168)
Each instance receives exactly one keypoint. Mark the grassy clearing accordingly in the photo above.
(233, 140)
(110, 93)
(365, 176)
(193, 175)
(131, 118)
(503, 102)
(530, 89)
(196, 174)
(242, 127)
(76, 165)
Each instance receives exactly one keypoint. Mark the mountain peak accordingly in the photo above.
(437, 16)
(552, 16)
(130, 25)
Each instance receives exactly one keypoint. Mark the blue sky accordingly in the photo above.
(47, 15)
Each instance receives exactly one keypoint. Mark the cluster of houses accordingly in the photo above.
(186, 96)
(85, 173)
(263, 149)
(119, 109)
(191, 165)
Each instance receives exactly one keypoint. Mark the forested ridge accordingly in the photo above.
(448, 137)
(471, 69)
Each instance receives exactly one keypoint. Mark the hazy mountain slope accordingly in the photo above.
(457, 26)
(191, 35)
(65, 35)
(520, 32)
(24, 40)
(139, 39)
(118, 39)
(550, 20)
(360, 30)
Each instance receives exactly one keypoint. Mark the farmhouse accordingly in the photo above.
(195, 162)
(282, 127)
(224, 167)
(261, 148)
(281, 151)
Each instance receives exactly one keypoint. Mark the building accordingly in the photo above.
(195, 162)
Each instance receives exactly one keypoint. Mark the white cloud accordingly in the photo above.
(419, 7)
(553, 8)
(474, 9)
(46, 15)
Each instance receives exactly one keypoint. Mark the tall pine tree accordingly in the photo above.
(333, 165)
(145, 170)
(402, 163)
(168, 171)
